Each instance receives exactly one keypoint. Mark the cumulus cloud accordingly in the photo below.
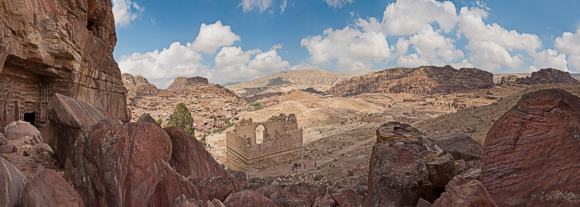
(125, 12)
(185, 59)
(338, 3)
(549, 59)
(569, 44)
(351, 48)
(213, 36)
(431, 48)
(407, 17)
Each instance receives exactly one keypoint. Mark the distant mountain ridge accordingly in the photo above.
(285, 81)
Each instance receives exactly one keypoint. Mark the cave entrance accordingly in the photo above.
(30, 118)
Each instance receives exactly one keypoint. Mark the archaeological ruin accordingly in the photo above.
(252, 145)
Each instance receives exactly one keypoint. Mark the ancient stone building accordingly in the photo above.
(254, 144)
(49, 47)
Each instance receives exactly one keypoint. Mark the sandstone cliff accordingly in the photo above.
(138, 86)
(547, 76)
(422, 80)
(48, 47)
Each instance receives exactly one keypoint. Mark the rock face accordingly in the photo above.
(69, 118)
(12, 183)
(405, 166)
(422, 80)
(248, 198)
(299, 195)
(182, 83)
(49, 189)
(117, 164)
(547, 76)
(461, 192)
(138, 86)
(461, 146)
(190, 158)
(49, 47)
(532, 152)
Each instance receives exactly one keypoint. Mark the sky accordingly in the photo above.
(239, 40)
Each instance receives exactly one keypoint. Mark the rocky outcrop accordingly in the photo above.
(50, 189)
(248, 198)
(405, 165)
(461, 146)
(531, 153)
(138, 86)
(69, 118)
(422, 80)
(12, 183)
(299, 195)
(461, 192)
(548, 76)
(181, 83)
(190, 158)
(116, 164)
(65, 47)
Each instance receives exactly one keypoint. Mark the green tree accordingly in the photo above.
(159, 121)
(182, 118)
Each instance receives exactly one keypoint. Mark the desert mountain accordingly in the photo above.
(210, 104)
(320, 80)
(421, 80)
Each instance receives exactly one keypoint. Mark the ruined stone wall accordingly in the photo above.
(283, 140)
(62, 46)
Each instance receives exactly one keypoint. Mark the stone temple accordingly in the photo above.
(252, 145)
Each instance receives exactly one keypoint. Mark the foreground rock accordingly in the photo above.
(461, 146)
(422, 80)
(12, 183)
(532, 152)
(248, 198)
(299, 195)
(405, 166)
(49, 189)
(117, 164)
(461, 192)
(20, 129)
(69, 118)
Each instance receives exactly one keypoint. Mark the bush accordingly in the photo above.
(181, 118)
(257, 106)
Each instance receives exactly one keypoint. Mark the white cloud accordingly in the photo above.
(549, 59)
(569, 44)
(351, 48)
(125, 12)
(407, 17)
(492, 47)
(338, 3)
(431, 47)
(262, 5)
(185, 59)
(213, 36)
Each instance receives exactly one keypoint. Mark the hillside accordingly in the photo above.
(421, 80)
(285, 81)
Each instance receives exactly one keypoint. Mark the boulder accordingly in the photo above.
(20, 129)
(531, 153)
(5, 146)
(115, 164)
(461, 192)
(248, 198)
(50, 189)
(301, 194)
(345, 197)
(172, 185)
(325, 201)
(69, 118)
(461, 146)
(218, 187)
(12, 183)
(405, 165)
(190, 158)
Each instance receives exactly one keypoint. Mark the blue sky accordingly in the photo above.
(355, 36)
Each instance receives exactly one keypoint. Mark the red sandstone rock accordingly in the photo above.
(117, 164)
(21, 129)
(461, 146)
(172, 185)
(464, 193)
(69, 118)
(422, 80)
(5, 146)
(12, 183)
(532, 152)
(50, 189)
(190, 158)
(301, 194)
(218, 187)
(325, 201)
(248, 198)
(60, 46)
(405, 166)
(344, 197)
